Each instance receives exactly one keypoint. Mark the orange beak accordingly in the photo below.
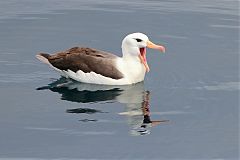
(142, 55)
(154, 46)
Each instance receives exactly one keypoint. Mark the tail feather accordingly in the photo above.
(43, 57)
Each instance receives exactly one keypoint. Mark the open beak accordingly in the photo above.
(143, 59)
(142, 55)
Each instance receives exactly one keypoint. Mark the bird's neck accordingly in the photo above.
(130, 53)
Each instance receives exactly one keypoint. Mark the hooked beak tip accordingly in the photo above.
(162, 49)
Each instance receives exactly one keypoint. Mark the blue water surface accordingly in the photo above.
(187, 107)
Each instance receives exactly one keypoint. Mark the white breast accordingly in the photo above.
(133, 70)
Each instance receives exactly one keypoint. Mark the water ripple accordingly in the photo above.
(226, 86)
(12, 9)
(23, 77)
(71, 131)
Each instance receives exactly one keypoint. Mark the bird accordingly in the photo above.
(89, 65)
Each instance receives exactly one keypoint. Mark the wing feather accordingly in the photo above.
(87, 60)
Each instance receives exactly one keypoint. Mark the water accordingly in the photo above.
(187, 108)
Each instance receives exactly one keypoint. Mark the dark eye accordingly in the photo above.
(138, 40)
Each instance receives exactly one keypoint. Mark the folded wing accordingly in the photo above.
(86, 60)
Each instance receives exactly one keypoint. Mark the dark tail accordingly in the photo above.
(43, 57)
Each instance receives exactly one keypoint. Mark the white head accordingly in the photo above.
(134, 46)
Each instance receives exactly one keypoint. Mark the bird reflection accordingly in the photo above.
(138, 115)
(134, 97)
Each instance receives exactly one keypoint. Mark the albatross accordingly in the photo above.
(90, 65)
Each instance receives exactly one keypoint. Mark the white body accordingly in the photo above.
(132, 69)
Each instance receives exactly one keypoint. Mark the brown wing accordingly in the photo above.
(86, 60)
